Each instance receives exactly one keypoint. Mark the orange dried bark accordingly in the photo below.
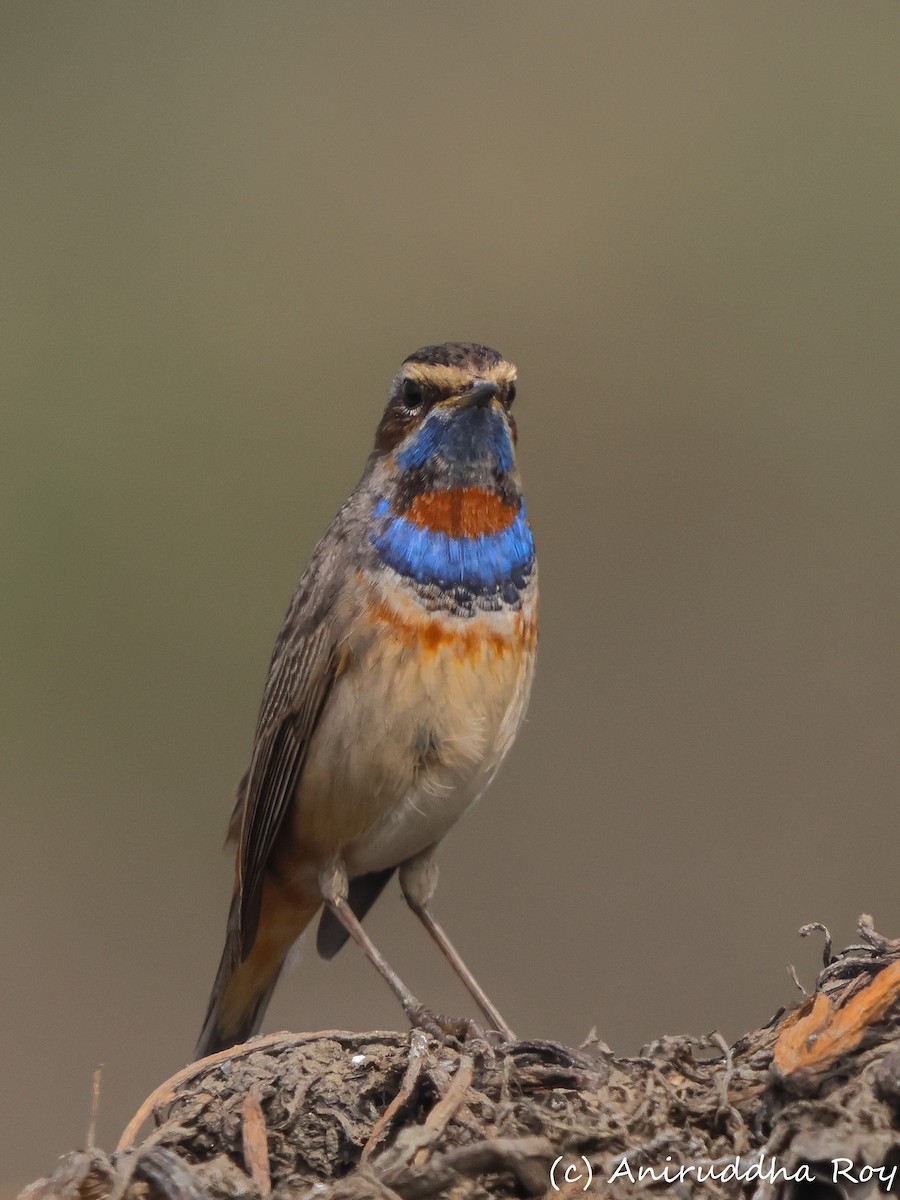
(828, 1032)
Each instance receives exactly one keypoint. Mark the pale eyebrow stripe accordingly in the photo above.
(450, 378)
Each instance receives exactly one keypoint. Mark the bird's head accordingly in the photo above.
(448, 513)
(448, 416)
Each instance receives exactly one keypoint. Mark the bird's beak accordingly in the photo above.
(479, 395)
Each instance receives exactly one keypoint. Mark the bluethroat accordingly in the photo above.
(397, 685)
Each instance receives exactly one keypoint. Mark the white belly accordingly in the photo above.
(413, 734)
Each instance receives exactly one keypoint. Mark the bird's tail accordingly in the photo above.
(244, 984)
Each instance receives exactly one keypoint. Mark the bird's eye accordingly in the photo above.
(413, 394)
(510, 394)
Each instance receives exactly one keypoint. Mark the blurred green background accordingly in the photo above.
(224, 225)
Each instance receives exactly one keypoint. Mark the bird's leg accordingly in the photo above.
(333, 886)
(418, 880)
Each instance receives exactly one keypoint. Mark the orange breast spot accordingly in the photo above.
(461, 512)
(465, 640)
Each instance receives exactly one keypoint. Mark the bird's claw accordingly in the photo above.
(444, 1028)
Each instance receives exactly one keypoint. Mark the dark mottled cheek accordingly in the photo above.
(395, 425)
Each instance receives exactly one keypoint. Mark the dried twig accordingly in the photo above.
(446, 1108)
(95, 1106)
(255, 1145)
(417, 1044)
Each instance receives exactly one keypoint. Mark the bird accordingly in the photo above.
(396, 687)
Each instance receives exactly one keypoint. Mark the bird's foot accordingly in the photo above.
(463, 1030)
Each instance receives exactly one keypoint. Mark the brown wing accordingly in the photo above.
(300, 680)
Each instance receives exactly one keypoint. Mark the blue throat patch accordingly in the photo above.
(497, 562)
(471, 440)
